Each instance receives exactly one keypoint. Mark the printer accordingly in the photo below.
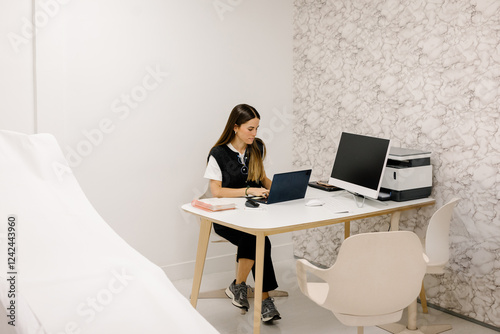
(408, 174)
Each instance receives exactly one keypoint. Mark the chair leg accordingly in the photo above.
(360, 330)
(423, 300)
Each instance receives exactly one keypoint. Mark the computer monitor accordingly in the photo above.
(360, 163)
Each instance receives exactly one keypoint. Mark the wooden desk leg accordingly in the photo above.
(423, 299)
(395, 220)
(347, 230)
(259, 274)
(201, 253)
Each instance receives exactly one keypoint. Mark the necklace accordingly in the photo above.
(243, 161)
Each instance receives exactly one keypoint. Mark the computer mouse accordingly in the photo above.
(314, 202)
(251, 204)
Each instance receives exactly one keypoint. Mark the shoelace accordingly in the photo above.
(268, 303)
(242, 289)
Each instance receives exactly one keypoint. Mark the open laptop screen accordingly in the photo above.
(288, 186)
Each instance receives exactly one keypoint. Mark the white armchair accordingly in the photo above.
(375, 277)
(437, 251)
(437, 245)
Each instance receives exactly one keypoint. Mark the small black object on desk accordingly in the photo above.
(251, 203)
(323, 186)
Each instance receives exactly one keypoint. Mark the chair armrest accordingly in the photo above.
(304, 266)
(426, 258)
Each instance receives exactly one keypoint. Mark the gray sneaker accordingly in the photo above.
(269, 311)
(238, 294)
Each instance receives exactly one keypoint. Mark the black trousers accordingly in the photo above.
(246, 250)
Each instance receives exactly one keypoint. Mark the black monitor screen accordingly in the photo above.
(360, 163)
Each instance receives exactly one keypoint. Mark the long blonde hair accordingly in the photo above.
(241, 114)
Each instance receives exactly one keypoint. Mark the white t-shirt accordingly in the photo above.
(213, 171)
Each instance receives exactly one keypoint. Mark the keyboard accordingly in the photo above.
(335, 206)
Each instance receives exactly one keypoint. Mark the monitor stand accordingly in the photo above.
(360, 205)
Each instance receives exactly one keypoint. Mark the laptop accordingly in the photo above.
(287, 187)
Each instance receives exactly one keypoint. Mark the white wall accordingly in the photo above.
(138, 91)
(16, 59)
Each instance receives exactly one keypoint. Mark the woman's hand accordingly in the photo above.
(218, 191)
(259, 192)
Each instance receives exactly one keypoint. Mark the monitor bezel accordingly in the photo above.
(357, 188)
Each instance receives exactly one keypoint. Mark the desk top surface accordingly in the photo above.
(295, 215)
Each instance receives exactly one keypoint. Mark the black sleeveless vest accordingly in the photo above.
(232, 175)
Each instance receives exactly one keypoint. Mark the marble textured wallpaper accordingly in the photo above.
(425, 73)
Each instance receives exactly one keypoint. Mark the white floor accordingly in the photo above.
(299, 314)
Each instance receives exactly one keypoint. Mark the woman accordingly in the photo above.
(235, 169)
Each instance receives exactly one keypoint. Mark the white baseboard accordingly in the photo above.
(221, 263)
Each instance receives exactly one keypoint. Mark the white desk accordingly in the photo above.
(287, 217)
